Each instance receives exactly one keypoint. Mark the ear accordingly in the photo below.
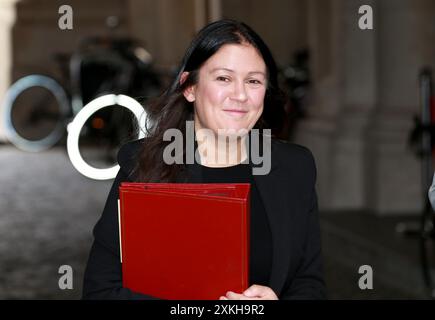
(189, 92)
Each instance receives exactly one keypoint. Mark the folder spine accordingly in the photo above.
(119, 228)
(248, 234)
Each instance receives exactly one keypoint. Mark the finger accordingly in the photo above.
(233, 296)
(236, 296)
(243, 297)
(256, 291)
(223, 298)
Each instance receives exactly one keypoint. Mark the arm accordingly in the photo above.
(103, 274)
(305, 273)
(431, 193)
(103, 277)
(308, 282)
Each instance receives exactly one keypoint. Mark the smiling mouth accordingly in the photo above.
(235, 112)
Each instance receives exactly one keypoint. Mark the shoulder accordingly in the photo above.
(293, 164)
(292, 156)
(128, 153)
(288, 149)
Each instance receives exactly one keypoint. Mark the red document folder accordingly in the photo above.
(184, 241)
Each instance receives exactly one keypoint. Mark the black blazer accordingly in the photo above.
(289, 197)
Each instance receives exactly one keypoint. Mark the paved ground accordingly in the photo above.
(47, 211)
(351, 240)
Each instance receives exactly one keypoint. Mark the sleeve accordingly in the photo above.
(431, 193)
(103, 274)
(308, 283)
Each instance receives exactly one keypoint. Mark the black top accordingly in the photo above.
(260, 251)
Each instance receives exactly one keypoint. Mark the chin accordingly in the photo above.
(231, 130)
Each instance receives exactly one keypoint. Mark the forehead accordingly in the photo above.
(242, 58)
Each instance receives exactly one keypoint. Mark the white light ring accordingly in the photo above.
(11, 95)
(80, 119)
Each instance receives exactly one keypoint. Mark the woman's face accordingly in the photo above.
(230, 90)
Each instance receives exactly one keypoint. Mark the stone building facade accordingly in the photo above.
(365, 89)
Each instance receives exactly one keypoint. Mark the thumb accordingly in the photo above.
(252, 291)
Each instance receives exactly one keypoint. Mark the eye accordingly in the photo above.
(220, 78)
(254, 81)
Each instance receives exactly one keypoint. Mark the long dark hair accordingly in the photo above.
(172, 110)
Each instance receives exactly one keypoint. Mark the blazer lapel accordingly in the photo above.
(275, 202)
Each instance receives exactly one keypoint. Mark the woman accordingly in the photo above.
(227, 83)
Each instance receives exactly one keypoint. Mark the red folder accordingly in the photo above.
(184, 241)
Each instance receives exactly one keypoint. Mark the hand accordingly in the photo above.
(254, 292)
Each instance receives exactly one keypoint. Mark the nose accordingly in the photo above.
(239, 93)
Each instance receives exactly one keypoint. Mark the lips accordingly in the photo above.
(236, 111)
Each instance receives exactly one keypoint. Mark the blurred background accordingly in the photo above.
(360, 99)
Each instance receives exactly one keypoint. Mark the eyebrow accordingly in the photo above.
(230, 70)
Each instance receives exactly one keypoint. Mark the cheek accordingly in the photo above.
(214, 95)
(257, 99)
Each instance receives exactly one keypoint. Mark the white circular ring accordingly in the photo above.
(80, 119)
(15, 90)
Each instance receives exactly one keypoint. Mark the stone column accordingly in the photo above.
(365, 96)
(344, 95)
(317, 131)
(215, 10)
(7, 19)
(357, 99)
(405, 44)
(167, 27)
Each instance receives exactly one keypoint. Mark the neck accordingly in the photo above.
(220, 151)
